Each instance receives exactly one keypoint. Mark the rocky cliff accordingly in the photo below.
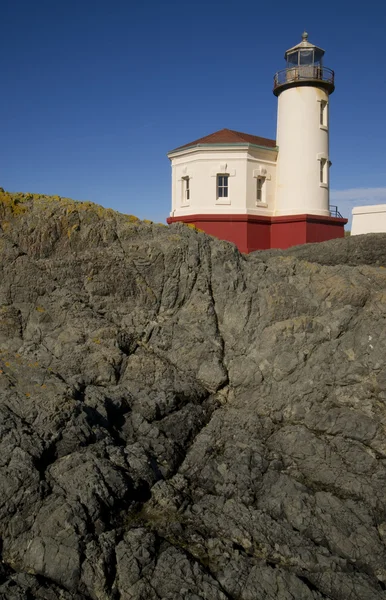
(179, 421)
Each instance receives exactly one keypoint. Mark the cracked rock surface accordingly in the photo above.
(179, 421)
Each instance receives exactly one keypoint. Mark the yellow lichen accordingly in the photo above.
(194, 227)
(70, 231)
(13, 205)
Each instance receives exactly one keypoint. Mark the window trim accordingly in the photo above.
(323, 171)
(224, 187)
(323, 114)
(261, 173)
(261, 191)
(185, 190)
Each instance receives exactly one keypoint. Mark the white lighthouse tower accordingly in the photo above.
(303, 90)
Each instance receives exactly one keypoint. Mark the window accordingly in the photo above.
(186, 188)
(323, 171)
(318, 59)
(185, 191)
(292, 59)
(306, 57)
(323, 113)
(222, 186)
(259, 189)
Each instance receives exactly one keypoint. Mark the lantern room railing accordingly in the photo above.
(304, 73)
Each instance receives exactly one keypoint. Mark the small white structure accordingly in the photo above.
(369, 219)
(261, 193)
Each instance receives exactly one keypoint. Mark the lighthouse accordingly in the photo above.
(303, 90)
(262, 193)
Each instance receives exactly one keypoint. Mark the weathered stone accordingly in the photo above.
(179, 421)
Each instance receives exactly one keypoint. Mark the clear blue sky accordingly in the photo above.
(94, 93)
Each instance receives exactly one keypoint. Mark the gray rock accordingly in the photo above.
(179, 421)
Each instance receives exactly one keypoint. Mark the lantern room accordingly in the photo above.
(304, 66)
(304, 54)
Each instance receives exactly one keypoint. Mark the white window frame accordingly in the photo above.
(260, 190)
(323, 114)
(263, 175)
(186, 189)
(222, 197)
(323, 172)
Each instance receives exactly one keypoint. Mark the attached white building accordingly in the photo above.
(232, 171)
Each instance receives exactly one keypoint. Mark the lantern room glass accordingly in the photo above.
(305, 56)
(292, 60)
(318, 58)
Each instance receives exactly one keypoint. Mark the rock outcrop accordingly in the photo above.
(180, 421)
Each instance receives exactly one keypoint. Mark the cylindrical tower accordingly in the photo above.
(303, 89)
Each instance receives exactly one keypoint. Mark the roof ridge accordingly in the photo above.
(242, 132)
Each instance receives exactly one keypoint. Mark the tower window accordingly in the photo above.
(323, 171)
(323, 113)
(259, 189)
(222, 186)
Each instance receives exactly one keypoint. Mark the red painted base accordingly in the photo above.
(250, 232)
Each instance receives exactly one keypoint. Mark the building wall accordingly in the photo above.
(292, 230)
(230, 230)
(260, 232)
(369, 219)
(302, 142)
(202, 167)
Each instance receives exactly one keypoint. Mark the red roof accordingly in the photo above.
(228, 136)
